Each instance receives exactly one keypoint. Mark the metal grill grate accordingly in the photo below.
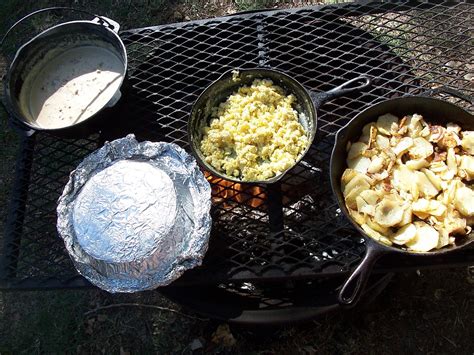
(292, 229)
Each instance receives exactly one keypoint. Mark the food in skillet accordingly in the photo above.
(408, 182)
(255, 134)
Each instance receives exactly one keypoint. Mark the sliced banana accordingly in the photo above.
(404, 235)
(388, 213)
(464, 201)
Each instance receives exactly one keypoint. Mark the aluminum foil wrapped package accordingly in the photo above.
(135, 216)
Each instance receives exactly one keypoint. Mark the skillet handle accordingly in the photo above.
(353, 288)
(353, 85)
(449, 91)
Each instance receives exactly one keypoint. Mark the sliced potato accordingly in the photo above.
(370, 232)
(443, 238)
(356, 149)
(417, 164)
(421, 203)
(425, 186)
(359, 218)
(359, 181)
(370, 196)
(382, 142)
(403, 145)
(464, 201)
(386, 122)
(404, 235)
(414, 125)
(351, 196)
(451, 161)
(402, 178)
(420, 149)
(377, 227)
(376, 164)
(388, 213)
(407, 216)
(435, 180)
(348, 175)
(467, 142)
(360, 164)
(467, 167)
(426, 238)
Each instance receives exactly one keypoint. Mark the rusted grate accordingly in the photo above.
(292, 229)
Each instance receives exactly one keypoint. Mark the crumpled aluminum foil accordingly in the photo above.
(135, 216)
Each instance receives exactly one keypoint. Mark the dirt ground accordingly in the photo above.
(428, 312)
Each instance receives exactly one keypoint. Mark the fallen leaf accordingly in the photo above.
(223, 336)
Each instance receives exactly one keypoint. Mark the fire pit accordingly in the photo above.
(279, 247)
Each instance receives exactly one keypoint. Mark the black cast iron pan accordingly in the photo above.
(433, 111)
(307, 104)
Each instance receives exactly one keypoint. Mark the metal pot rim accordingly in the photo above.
(7, 89)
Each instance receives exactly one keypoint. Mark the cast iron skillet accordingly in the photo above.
(307, 104)
(433, 111)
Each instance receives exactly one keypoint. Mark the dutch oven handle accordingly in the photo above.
(353, 85)
(354, 286)
(105, 21)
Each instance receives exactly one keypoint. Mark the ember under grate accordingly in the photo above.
(288, 230)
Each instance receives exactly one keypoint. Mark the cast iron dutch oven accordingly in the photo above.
(54, 41)
(307, 104)
(433, 111)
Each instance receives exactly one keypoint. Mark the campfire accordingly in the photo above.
(226, 192)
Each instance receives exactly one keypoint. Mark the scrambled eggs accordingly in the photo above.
(255, 133)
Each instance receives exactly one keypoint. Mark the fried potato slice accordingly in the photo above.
(464, 201)
(388, 212)
(405, 182)
(358, 181)
(360, 164)
(404, 235)
(386, 122)
(467, 142)
(420, 149)
(356, 149)
(426, 238)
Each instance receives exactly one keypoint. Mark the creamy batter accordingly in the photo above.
(72, 86)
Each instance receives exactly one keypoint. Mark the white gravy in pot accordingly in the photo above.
(72, 86)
